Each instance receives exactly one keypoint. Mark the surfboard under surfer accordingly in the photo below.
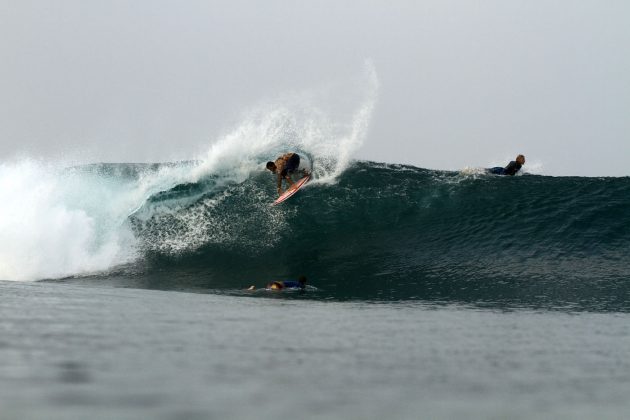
(511, 169)
(283, 167)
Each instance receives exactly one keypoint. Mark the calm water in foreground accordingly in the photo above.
(70, 351)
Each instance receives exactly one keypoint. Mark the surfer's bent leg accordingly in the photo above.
(290, 167)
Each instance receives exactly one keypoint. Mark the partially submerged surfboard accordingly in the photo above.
(292, 190)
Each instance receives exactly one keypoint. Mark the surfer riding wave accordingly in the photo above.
(283, 167)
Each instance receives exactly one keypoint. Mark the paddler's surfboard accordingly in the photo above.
(294, 188)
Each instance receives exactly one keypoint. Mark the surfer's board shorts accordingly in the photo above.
(497, 170)
(291, 165)
(291, 284)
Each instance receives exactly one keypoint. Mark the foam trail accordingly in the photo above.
(349, 145)
(293, 124)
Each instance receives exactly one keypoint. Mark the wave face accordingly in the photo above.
(379, 232)
(390, 232)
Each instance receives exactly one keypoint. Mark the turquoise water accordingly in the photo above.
(80, 351)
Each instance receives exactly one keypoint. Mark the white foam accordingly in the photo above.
(57, 221)
(42, 235)
(298, 123)
(535, 167)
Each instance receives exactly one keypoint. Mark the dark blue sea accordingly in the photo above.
(431, 294)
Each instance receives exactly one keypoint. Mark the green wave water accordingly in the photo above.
(393, 232)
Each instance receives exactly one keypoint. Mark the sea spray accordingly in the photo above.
(234, 166)
(298, 123)
(59, 221)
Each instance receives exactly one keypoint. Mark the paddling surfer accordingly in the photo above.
(283, 167)
(285, 284)
(511, 169)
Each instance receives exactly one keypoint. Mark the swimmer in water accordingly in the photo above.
(285, 284)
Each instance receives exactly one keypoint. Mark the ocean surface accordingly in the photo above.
(431, 294)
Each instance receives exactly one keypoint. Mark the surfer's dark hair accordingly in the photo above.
(302, 279)
(270, 165)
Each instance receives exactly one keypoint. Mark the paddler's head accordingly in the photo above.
(271, 166)
(520, 159)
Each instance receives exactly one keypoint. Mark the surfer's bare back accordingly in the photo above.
(283, 167)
